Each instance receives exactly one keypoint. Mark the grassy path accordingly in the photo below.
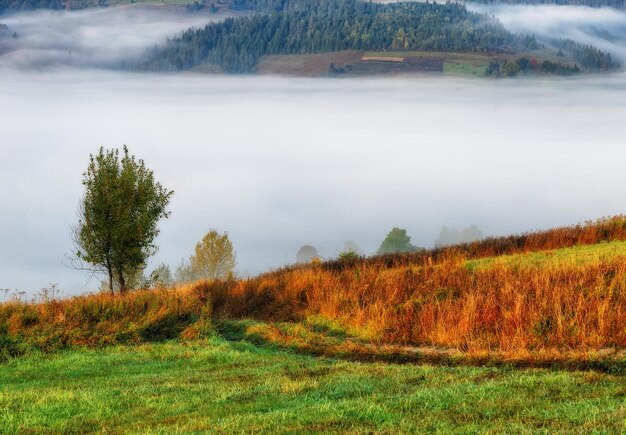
(223, 386)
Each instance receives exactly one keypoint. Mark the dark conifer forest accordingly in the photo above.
(24, 5)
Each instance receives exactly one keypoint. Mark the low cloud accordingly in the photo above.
(604, 28)
(96, 38)
(279, 163)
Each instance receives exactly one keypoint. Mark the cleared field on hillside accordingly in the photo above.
(357, 63)
(222, 386)
(433, 54)
(149, 2)
(364, 63)
(464, 64)
(306, 64)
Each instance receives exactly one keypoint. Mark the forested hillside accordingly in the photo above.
(300, 26)
(589, 56)
(26, 5)
(18, 5)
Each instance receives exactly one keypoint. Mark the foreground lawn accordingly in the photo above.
(225, 386)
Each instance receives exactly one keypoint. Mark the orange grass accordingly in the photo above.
(421, 300)
(504, 308)
(587, 233)
(102, 319)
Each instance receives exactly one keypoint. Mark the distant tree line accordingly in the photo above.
(587, 56)
(26, 5)
(22, 5)
(301, 26)
(524, 65)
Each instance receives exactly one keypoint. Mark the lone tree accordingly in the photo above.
(214, 257)
(396, 241)
(118, 216)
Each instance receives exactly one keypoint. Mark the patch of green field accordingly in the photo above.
(577, 255)
(477, 69)
(224, 387)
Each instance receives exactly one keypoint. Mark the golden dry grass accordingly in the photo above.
(517, 307)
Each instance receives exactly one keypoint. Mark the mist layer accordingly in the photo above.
(604, 28)
(279, 163)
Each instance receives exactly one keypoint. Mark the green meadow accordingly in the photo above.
(224, 386)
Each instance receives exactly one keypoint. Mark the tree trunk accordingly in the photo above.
(110, 272)
(122, 281)
(111, 281)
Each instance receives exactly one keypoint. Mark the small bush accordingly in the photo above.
(11, 347)
(349, 257)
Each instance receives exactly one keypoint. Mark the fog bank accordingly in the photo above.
(279, 163)
(604, 28)
(97, 38)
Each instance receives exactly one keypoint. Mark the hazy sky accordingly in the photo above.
(280, 162)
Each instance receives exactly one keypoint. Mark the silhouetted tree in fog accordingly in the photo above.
(396, 241)
(306, 254)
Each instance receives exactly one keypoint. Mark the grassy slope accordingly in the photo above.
(569, 300)
(228, 387)
(576, 255)
(241, 379)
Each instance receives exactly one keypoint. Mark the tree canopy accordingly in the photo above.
(214, 258)
(396, 241)
(119, 215)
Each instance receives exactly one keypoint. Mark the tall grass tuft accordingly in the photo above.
(101, 319)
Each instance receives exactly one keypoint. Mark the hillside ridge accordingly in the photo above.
(510, 310)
